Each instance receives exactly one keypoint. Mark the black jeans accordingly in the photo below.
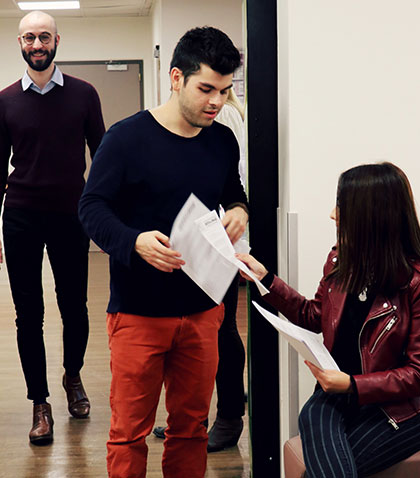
(26, 233)
(230, 372)
(344, 441)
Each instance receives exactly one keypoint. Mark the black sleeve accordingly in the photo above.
(97, 204)
(5, 151)
(233, 191)
(95, 127)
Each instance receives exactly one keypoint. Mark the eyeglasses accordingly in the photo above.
(30, 38)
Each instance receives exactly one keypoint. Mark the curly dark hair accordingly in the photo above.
(205, 45)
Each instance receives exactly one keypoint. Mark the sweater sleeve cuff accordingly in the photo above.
(238, 204)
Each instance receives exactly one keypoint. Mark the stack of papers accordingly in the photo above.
(305, 342)
(198, 234)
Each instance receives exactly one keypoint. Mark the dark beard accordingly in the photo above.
(40, 65)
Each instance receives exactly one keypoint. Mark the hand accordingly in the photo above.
(235, 221)
(331, 381)
(154, 248)
(256, 267)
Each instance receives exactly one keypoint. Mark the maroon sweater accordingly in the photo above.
(47, 135)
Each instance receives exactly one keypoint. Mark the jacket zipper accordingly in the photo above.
(386, 329)
(386, 312)
(391, 421)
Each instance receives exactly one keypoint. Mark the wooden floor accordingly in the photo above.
(78, 450)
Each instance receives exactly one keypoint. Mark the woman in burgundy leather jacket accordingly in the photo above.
(365, 417)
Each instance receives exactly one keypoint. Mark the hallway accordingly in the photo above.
(78, 450)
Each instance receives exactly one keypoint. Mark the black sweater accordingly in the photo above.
(140, 178)
(47, 135)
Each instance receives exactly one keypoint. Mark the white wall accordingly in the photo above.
(353, 97)
(182, 15)
(128, 38)
(156, 40)
(86, 39)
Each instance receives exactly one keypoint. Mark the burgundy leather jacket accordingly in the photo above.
(389, 341)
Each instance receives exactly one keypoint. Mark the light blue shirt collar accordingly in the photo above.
(56, 79)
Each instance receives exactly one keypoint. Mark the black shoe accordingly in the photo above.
(159, 432)
(224, 434)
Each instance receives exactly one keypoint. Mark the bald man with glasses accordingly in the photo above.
(46, 119)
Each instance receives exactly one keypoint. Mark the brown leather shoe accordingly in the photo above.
(79, 405)
(42, 427)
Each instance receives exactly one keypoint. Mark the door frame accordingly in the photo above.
(113, 62)
(263, 187)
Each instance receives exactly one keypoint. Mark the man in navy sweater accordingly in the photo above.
(46, 118)
(162, 327)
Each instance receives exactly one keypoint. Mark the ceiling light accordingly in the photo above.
(48, 5)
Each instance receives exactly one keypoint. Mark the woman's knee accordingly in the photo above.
(310, 410)
(304, 417)
(320, 406)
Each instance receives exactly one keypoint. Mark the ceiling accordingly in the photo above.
(88, 8)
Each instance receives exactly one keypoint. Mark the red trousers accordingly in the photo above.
(146, 352)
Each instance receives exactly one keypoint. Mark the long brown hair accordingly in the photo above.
(378, 229)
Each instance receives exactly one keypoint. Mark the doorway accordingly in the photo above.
(120, 88)
(118, 83)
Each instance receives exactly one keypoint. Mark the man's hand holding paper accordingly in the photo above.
(235, 221)
(199, 235)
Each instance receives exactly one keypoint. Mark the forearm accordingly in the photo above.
(5, 152)
(95, 126)
(388, 386)
(105, 229)
(98, 205)
(294, 306)
(233, 192)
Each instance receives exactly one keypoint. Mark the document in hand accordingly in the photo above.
(305, 342)
(198, 234)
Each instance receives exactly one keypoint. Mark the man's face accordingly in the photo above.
(203, 96)
(38, 54)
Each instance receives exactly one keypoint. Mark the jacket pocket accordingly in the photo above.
(392, 321)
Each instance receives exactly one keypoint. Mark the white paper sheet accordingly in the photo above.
(305, 342)
(209, 256)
